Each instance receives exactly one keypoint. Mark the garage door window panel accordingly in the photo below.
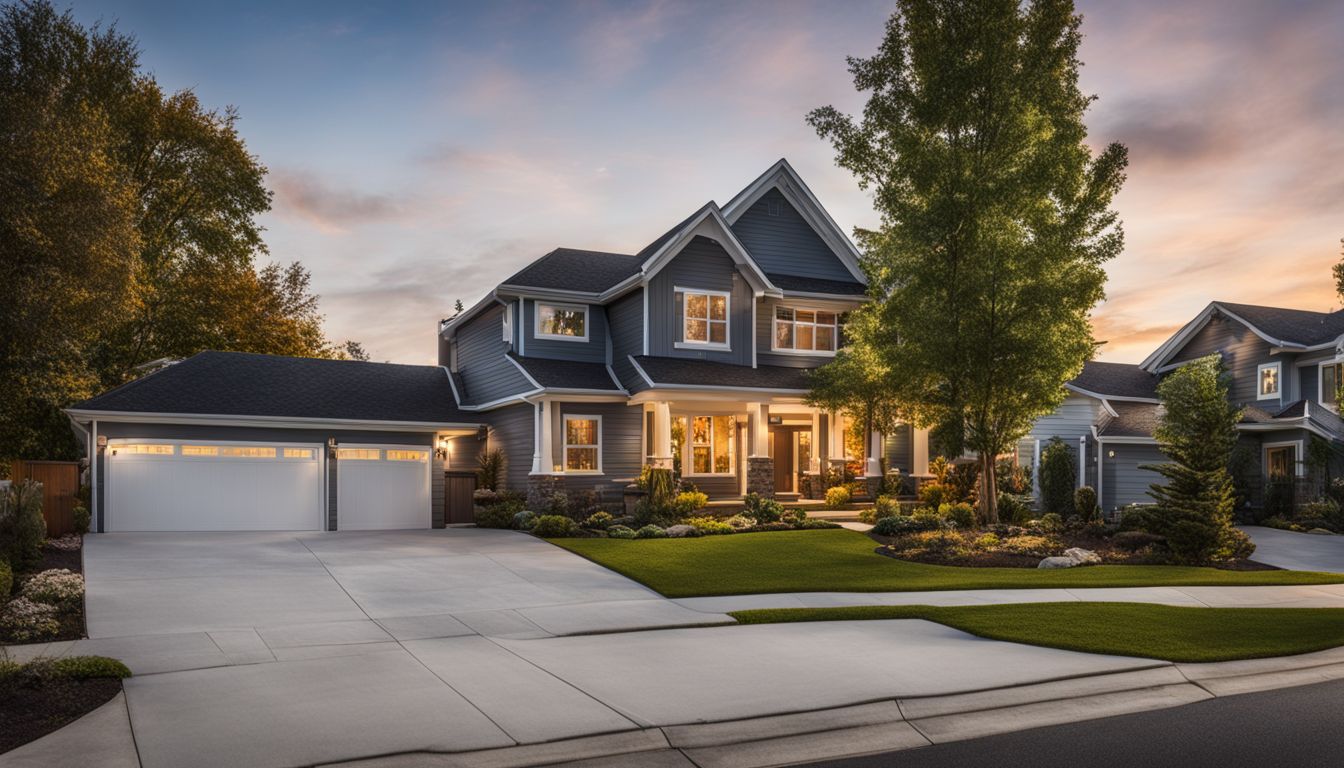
(359, 454)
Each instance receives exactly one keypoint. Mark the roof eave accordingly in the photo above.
(84, 416)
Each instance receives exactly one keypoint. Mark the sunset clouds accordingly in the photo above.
(421, 154)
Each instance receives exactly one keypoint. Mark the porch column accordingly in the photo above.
(760, 467)
(921, 451)
(547, 437)
(814, 460)
(835, 434)
(662, 435)
(536, 439)
(874, 465)
(1082, 460)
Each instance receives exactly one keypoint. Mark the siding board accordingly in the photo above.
(484, 369)
(1242, 352)
(626, 324)
(1123, 482)
(781, 241)
(701, 264)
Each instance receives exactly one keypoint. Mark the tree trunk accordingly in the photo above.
(989, 496)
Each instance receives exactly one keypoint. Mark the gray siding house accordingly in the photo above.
(1283, 366)
(586, 365)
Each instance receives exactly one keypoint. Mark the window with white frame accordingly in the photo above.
(713, 442)
(583, 443)
(1268, 381)
(705, 317)
(806, 330)
(562, 321)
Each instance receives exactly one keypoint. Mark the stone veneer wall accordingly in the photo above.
(761, 476)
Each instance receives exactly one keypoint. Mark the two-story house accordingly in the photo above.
(582, 368)
(690, 352)
(1284, 366)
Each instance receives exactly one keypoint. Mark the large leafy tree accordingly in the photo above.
(995, 214)
(1198, 432)
(128, 229)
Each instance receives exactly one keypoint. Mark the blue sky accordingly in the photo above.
(421, 152)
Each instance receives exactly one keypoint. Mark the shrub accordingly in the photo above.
(555, 503)
(1049, 523)
(893, 482)
(620, 532)
(1280, 523)
(553, 526)
(885, 506)
(1058, 473)
(1013, 478)
(22, 528)
(1134, 541)
(23, 620)
(838, 496)
(988, 541)
(689, 502)
(1325, 509)
(86, 667)
(651, 532)
(1035, 546)
(763, 510)
(489, 467)
(1085, 503)
(6, 581)
(1014, 508)
(523, 520)
(740, 522)
(902, 524)
(494, 516)
(657, 483)
(70, 542)
(58, 586)
(811, 524)
(1135, 517)
(598, 520)
(963, 483)
(709, 526)
(960, 513)
(1233, 544)
(933, 494)
(82, 518)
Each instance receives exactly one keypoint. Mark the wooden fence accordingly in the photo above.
(60, 482)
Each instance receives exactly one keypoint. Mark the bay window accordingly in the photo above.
(705, 317)
(806, 330)
(583, 443)
(713, 445)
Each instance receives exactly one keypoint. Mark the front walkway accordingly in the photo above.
(1297, 551)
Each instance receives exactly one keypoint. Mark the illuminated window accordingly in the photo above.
(713, 444)
(298, 453)
(560, 321)
(1268, 377)
(1330, 378)
(583, 443)
(705, 317)
(247, 452)
(150, 449)
(407, 455)
(806, 330)
(359, 454)
(200, 450)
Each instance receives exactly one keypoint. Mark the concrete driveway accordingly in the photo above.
(301, 649)
(1297, 551)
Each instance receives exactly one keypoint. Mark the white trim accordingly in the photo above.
(727, 344)
(565, 445)
(1299, 460)
(645, 295)
(640, 370)
(783, 177)
(451, 326)
(507, 324)
(1177, 341)
(835, 334)
(711, 224)
(277, 422)
(754, 341)
(457, 398)
(1117, 398)
(536, 320)
(523, 371)
(1277, 394)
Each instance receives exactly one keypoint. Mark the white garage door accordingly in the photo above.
(213, 486)
(382, 487)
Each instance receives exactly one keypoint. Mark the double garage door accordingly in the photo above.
(230, 486)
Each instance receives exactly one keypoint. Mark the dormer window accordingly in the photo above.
(1268, 377)
(705, 318)
(567, 322)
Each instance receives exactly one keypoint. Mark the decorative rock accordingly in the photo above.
(1057, 562)
(680, 531)
(1082, 556)
(1321, 532)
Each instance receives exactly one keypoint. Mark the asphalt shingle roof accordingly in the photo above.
(816, 285)
(567, 374)
(677, 370)
(1131, 420)
(1116, 380)
(570, 269)
(240, 384)
(1293, 325)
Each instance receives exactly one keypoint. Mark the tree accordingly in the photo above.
(1338, 272)
(1198, 432)
(995, 214)
(1058, 471)
(855, 382)
(128, 229)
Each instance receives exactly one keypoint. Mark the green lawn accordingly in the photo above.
(844, 561)
(1122, 629)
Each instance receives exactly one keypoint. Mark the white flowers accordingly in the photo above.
(24, 620)
(67, 543)
(55, 587)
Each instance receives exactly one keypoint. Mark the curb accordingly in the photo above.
(896, 724)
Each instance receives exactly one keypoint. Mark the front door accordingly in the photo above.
(1279, 462)
(782, 445)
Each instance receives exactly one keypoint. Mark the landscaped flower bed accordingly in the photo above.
(41, 581)
(45, 694)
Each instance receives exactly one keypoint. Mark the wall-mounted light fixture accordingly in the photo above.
(1110, 454)
(444, 449)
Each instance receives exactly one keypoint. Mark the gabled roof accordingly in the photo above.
(705, 222)
(1130, 419)
(1294, 329)
(707, 374)
(272, 386)
(566, 374)
(1115, 381)
(570, 269)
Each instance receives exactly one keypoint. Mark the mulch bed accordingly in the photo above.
(31, 713)
(72, 621)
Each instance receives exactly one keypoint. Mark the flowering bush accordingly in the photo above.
(688, 502)
(57, 586)
(70, 542)
(837, 496)
(740, 522)
(23, 620)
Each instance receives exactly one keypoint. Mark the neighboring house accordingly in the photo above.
(1283, 366)
(581, 368)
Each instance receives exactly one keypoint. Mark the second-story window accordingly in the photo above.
(562, 321)
(806, 330)
(1268, 377)
(1330, 376)
(705, 317)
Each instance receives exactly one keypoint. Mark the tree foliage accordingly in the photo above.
(1198, 432)
(856, 381)
(1059, 472)
(995, 214)
(128, 228)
